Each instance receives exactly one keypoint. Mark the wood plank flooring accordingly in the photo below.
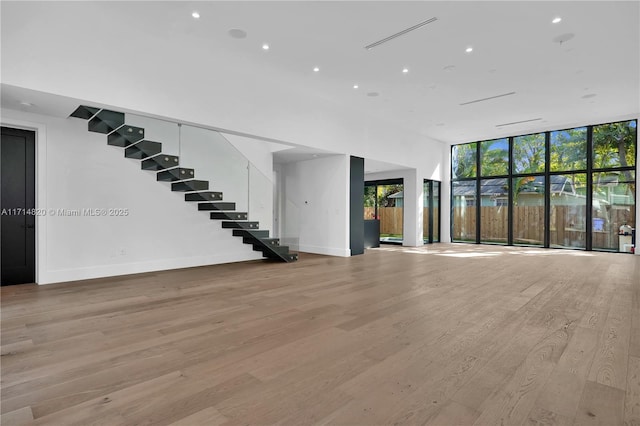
(448, 334)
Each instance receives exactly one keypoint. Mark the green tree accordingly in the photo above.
(384, 191)
(569, 150)
(529, 153)
(370, 196)
(614, 145)
(494, 157)
(463, 160)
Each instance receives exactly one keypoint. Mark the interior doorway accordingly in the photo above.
(384, 201)
(17, 205)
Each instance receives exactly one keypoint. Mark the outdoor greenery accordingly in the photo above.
(614, 145)
(463, 161)
(529, 154)
(494, 157)
(568, 150)
(370, 196)
(384, 191)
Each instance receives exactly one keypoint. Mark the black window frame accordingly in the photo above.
(589, 170)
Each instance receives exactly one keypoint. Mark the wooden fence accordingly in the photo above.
(391, 219)
(567, 225)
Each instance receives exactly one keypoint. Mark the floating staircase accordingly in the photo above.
(131, 138)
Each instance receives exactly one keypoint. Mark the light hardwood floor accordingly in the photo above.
(440, 335)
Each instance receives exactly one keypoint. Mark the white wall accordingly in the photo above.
(315, 204)
(76, 169)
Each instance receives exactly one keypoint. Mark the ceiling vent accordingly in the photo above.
(488, 99)
(401, 33)
(518, 122)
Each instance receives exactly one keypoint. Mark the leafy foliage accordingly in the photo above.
(529, 154)
(494, 157)
(614, 145)
(569, 150)
(463, 160)
(385, 191)
(381, 197)
(370, 196)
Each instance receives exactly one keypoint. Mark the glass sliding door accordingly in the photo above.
(391, 212)
(435, 208)
(384, 201)
(431, 211)
(427, 214)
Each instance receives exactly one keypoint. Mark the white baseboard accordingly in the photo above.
(113, 270)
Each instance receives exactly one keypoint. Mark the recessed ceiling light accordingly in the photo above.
(469, 49)
(195, 15)
(556, 20)
(316, 69)
(355, 86)
(265, 46)
(373, 94)
(405, 70)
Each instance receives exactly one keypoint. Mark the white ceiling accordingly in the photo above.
(591, 77)
(594, 74)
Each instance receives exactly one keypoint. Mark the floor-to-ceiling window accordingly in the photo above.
(567, 164)
(613, 185)
(431, 211)
(528, 189)
(536, 189)
(494, 191)
(464, 168)
(384, 200)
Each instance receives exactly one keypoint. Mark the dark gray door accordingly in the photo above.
(17, 198)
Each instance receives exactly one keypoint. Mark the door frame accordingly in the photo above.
(392, 181)
(40, 131)
(431, 225)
